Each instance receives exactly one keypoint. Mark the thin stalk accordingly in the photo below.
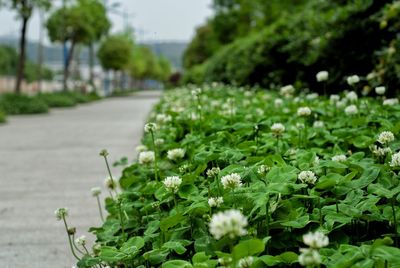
(121, 220)
(75, 246)
(218, 185)
(394, 221)
(108, 167)
(87, 251)
(100, 209)
(155, 156)
(337, 205)
(69, 239)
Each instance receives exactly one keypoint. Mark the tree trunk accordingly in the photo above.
(21, 61)
(91, 65)
(40, 51)
(67, 64)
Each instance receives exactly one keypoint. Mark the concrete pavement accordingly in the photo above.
(50, 161)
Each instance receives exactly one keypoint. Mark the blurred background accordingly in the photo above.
(107, 45)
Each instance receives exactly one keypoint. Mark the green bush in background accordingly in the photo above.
(2, 117)
(342, 37)
(21, 104)
(58, 99)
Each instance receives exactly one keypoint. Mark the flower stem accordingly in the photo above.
(155, 156)
(108, 167)
(394, 222)
(69, 239)
(100, 209)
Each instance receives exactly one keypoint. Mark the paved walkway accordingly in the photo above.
(50, 161)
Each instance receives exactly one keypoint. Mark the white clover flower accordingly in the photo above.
(61, 213)
(351, 110)
(309, 257)
(316, 161)
(226, 261)
(246, 262)
(385, 137)
(380, 90)
(110, 183)
(334, 98)
(213, 172)
(378, 151)
(300, 126)
(146, 158)
(229, 223)
(322, 76)
(215, 201)
(278, 102)
(339, 158)
(277, 129)
(390, 102)
(96, 191)
(231, 181)
(176, 154)
(307, 177)
(172, 183)
(159, 142)
(287, 90)
(371, 76)
(319, 124)
(312, 96)
(150, 127)
(163, 118)
(81, 241)
(263, 169)
(353, 79)
(304, 111)
(395, 162)
(196, 92)
(316, 240)
(351, 96)
(341, 103)
(141, 148)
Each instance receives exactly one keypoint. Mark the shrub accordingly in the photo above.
(21, 104)
(58, 99)
(2, 117)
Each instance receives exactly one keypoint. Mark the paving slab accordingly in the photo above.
(50, 161)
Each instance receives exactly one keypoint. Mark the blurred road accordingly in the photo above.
(50, 161)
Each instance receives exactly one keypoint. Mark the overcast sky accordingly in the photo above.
(152, 19)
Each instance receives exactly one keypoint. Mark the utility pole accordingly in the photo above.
(40, 50)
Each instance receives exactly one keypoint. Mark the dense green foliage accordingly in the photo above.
(21, 104)
(2, 117)
(353, 196)
(296, 41)
(8, 65)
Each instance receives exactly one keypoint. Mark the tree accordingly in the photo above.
(100, 24)
(71, 24)
(115, 53)
(24, 9)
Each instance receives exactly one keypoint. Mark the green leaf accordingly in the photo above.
(111, 254)
(177, 264)
(175, 246)
(171, 221)
(251, 247)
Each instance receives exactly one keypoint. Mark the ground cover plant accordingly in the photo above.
(234, 177)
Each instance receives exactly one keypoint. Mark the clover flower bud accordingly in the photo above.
(159, 142)
(351, 96)
(319, 124)
(213, 172)
(287, 90)
(110, 183)
(141, 148)
(263, 169)
(96, 191)
(278, 102)
(103, 153)
(71, 231)
(215, 201)
(61, 213)
(81, 241)
(150, 127)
